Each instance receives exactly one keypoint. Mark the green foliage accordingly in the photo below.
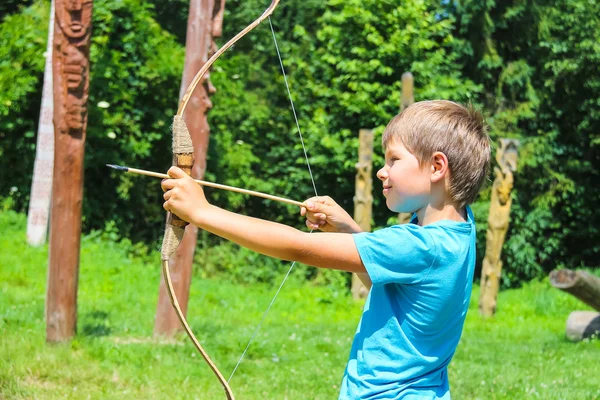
(539, 62)
(22, 45)
(334, 98)
(135, 71)
(133, 98)
(532, 66)
(353, 80)
(255, 142)
(8, 7)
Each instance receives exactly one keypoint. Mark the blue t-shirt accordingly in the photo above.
(414, 315)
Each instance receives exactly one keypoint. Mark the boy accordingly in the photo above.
(420, 274)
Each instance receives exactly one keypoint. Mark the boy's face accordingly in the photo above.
(406, 185)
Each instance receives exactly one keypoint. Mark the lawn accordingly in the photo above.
(299, 353)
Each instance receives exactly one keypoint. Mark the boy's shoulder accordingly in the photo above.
(406, 253)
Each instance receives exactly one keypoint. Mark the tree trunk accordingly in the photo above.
(581, 284)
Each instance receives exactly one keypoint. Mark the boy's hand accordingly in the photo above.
(324, 214)
(184, 197)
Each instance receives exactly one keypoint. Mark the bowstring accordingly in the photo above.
(287, 86)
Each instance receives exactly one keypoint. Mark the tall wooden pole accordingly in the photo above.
(498, 221)
(205, 21)
(363, 197)
(41, 184)
(72, 32)
(406, 99)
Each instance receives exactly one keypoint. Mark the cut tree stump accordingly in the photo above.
(581, 284)
(583, 325)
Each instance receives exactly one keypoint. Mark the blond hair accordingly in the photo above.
(457, 131)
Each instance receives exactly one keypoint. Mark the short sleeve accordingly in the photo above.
(398, 254)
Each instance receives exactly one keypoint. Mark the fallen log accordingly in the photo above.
(581, 284)
(583, 325)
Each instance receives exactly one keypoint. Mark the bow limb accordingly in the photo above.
(188, 330)
(198, 78)
(183, 157)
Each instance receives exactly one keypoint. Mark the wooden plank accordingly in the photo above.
(363, 197)
(406, 99)
(41, 184)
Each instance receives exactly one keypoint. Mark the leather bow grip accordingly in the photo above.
(183, 157)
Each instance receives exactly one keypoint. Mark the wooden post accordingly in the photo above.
(41, 184)
(363, 198)
(407, 96)
(72, 32)
(406, 99)
(205, 22)
(498, 220)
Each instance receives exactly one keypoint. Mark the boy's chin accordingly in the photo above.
(396, 208)
(400, 208)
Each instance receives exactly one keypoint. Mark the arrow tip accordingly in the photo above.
(117, 167)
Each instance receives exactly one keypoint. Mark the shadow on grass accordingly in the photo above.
(96, 324)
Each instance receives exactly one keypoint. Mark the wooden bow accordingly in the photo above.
(183, 157)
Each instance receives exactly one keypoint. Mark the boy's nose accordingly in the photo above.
(382, 174)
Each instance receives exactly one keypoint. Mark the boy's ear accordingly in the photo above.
(439, 166)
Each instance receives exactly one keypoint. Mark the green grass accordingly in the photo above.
(300, 352)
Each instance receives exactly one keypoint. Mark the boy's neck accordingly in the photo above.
(433, 213)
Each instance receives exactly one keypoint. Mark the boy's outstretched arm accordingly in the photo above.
(185, 198)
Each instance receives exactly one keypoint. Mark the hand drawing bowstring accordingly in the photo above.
(183, 156)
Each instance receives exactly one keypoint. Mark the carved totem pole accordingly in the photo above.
(72, 31)
(205, 22)
(498, 221)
